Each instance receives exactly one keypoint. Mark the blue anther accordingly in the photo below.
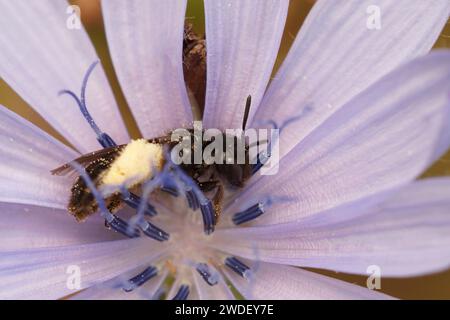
(262, 158)
(113, 221)
(144, 208)
(104, 139)
(237, 266)
(205, 273)
(192, 200)
(121, 226)
(85, 81)
(140, 279)
(248, 214)
(196, 198)
(208, 216)
(134, 201)
(153, 231)
(183, 293)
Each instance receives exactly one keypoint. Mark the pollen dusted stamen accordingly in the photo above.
(183, 293)
(206, 274)
(237, 266)
(249, 214)
(140, 279)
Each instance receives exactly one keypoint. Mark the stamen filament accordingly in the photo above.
(140, 279)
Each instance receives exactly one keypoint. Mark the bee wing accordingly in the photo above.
(86, 159)
(161, 140)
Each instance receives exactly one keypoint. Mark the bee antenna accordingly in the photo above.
(248, 103)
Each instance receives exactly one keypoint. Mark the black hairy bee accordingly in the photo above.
(123, 169)
(129, 165)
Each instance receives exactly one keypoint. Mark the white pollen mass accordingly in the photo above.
(135, 164)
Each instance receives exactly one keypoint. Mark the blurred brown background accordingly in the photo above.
(435, 286)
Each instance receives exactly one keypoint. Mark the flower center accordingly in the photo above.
(178, 227)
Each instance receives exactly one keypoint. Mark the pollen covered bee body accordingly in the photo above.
(128, 166)
(122, 165)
